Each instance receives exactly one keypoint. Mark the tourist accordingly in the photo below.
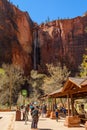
(63, 110)
(22, 112)
(44, 110)
(56, 114)
(35, 117)
(26, 114)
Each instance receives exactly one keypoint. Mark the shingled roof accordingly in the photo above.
(75, 86)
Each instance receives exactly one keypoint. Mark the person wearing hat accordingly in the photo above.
(35, 117)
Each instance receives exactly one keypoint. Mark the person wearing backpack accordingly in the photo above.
(35, 117)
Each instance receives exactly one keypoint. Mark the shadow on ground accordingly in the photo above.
(42, 119)
(45, 129)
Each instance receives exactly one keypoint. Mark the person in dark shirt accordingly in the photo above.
(35, 117)
(63, 110)
(56, 114)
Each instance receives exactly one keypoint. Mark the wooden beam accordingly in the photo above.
(72, 105)
(68, 105)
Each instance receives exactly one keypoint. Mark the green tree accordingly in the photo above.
(57, 77)
(36, 81)
(10, 83)
(83, 67)
(48, 20)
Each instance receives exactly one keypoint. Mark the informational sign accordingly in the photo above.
(24, 92)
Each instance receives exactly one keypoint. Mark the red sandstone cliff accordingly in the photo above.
(64, 41)
(27, 44)
(15, 36)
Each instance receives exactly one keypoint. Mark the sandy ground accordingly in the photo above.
(45, 124)
(7, 122)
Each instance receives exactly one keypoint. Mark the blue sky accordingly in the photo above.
(40, 10)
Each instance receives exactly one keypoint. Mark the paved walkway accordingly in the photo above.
(7, 122)
(45, 124)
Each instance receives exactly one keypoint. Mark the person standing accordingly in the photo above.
(26, 114)
(44, 110)
(35, 117)
(56, 114)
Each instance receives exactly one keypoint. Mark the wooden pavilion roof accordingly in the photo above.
(73, 86)
(84, 83)
(56, 93)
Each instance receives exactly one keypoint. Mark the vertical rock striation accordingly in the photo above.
(63, 41)
(15, 36)
(31, 46)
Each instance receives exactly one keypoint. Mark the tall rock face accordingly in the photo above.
(15, 36)
(63, 41)
(29, 45)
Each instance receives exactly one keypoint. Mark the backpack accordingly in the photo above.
(34, 113)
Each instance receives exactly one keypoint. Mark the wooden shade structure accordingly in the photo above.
(74, 88)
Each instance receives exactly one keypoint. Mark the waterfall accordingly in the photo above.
(35, 48)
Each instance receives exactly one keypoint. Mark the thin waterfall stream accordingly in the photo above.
(35, 52)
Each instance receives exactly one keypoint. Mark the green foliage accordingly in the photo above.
(2, 71)
(36, 81)
(56, 79)
(83, 67)
(47, 20)
(10, 83)
(18, 6)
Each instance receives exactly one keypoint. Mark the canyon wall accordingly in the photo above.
(63, 41)
(15, 36)
(32, 46)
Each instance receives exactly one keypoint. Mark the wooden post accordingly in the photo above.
(52, 115)
(68, 105)
(52, 104)
(55, 101)
(72, 105)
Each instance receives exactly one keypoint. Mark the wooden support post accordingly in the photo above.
(52, 115)
(47, 103)
(68, 105)
(55, 101)
(72, 105)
